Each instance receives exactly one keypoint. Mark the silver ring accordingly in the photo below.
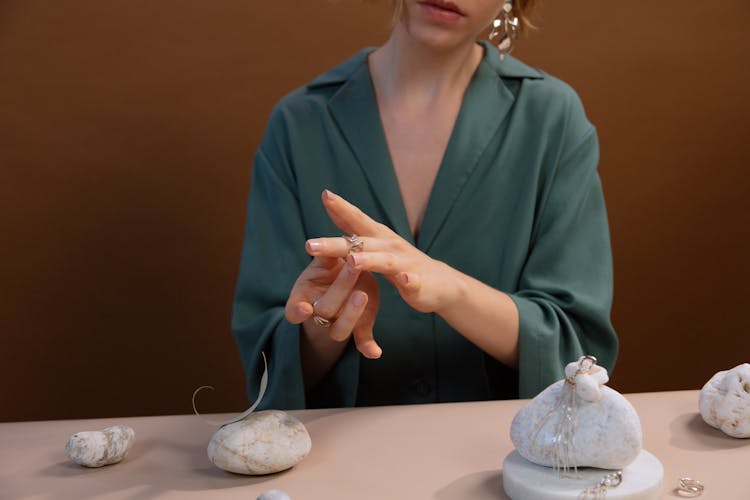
(612, 479)
(355, 244)
(689, 488)
(320, 320)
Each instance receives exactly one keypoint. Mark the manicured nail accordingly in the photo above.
(351, 269)
(354, 260)
(330, 196)
(314, 246)
(359, 299)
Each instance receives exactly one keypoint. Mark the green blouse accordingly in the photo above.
(517, 203)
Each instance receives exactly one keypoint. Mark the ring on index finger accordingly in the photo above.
(355, 244)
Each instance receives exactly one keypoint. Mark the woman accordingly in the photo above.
(476, 261)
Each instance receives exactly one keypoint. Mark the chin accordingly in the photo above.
(437, 39)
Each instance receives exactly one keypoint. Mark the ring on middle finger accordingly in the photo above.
(320, 320)
(355, 244)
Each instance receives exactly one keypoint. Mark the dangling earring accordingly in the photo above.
(505, 27)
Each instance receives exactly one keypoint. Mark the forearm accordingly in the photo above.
(485, 316)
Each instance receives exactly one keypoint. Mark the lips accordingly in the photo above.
(444, 6)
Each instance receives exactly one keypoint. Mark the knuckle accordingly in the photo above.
(325, 310)
(390, 261)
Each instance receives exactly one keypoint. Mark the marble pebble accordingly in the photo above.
(99, 448)
(607, 428)
(725, 401)
(262, 443)
(273, 495)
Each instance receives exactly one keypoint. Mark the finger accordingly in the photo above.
(377, 262)
(350, 313)
(297, 312)
(340, 246)
(329, 304)
(299, 304)
(365, 342)
(347, 217)
(323, 262)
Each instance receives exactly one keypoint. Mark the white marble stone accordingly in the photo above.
(98, 448)
(262, 443)
(604, 430)
(273, 495)
(725, 401)
(642, 479)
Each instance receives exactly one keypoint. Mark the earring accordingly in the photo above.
(505, 27)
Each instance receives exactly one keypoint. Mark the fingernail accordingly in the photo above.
(404, 277)
(375, 352)
(314, 246)
(354, 260)
(350, 267)
(329, 195)
(359, 299)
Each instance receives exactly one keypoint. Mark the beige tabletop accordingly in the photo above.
(444, 452)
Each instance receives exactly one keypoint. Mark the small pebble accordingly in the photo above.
(273, 495)
(725, 401)
(99, 448)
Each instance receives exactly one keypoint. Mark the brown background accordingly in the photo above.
(126, 133)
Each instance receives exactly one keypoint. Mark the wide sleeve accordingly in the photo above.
(272, 258)
(565, 288)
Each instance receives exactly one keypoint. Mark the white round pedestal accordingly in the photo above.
(522, 480)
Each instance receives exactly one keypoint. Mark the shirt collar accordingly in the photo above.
(510, 67)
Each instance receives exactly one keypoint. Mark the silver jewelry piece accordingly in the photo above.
(599, 492)
(356, 245)
(689, 488)
(564, 415)
(320, 320)
(585, 364)
(506, 27)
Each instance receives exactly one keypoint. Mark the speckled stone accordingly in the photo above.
(607, 431)
(262, 443)
(99, 448)
(725, 401)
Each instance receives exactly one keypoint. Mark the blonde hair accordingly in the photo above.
(522, 9)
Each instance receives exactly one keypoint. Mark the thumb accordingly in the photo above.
(297, 312)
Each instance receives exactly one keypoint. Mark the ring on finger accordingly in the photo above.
(320, 320)
(355, 244)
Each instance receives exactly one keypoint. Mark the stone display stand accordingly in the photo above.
(523, 480)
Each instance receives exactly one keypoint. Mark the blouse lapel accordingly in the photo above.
(355, 109)
(485, 104)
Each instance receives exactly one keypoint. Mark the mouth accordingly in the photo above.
(448, 7)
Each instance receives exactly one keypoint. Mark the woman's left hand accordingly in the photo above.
(425, 284)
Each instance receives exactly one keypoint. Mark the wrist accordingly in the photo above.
(453, 290)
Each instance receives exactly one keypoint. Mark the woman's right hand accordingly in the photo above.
(348, 298)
